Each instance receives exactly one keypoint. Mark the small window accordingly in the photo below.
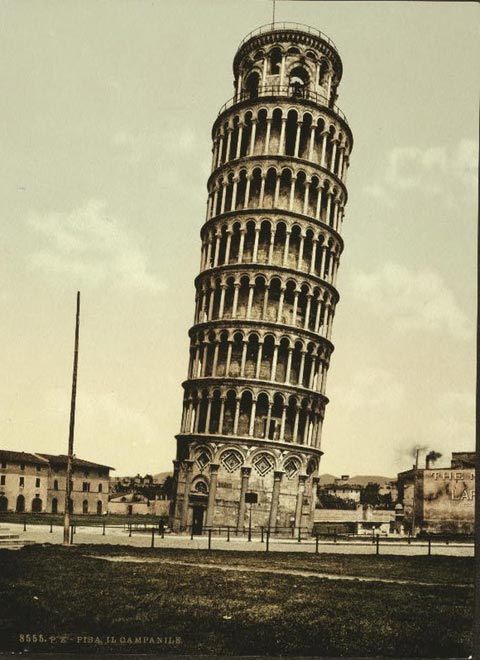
(39, 467)
(55, 484)
(4, 465)
(86, 487)
(22, 482)
(37, 483)
(100, 487)
(22, 466)
(2, 480)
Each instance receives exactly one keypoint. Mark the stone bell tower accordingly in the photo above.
(260, 345)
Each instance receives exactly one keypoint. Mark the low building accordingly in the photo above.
(35, 482)
(440, 500)
(23, 481)
(363, 520)
(134, 504)
(343, 491)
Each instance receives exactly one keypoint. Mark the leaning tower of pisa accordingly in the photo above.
(260, 345)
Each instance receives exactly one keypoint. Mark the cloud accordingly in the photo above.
(90, 246)
(107, 429)
(411, 300)
(434, 170)
(369, 388)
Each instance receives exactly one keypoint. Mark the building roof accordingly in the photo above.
(342, 486)
(61, 459)
(22, 457)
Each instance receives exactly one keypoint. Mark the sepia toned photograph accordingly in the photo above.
(238, 328)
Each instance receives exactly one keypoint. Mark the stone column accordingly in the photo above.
(241, 246)
(253, 411)
(315, 481)
(248, 178)
(252, 138)
(274, 363)
(302, 367)
(324, 147)
(292, 193)
(307, 312)
(281, 143)
(314, 256)
(236, 287)
(277, 478)
(255, 244)
(251, 288)
(215, 358)
(262, 191)
(239, 139)
(328, 213)
(289, 365)
(334, 155)
(282, 422)
(300, 253)
(259, 360)
(188, 467)
(265, 303)
(244, 358)
(267, 137)
(319, 203)
(297, 139)
(287, 245)
(298, 509)
(322, 261)
(306, 197)
(229, 358)
(209, 412)
(295, 308)
(229, 142)
(243, 489)
(312, 142)
(211, 494)
(222, 414)
(237, 416)
(223, 288)
(280, 305)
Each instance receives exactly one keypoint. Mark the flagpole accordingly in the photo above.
(68, 489)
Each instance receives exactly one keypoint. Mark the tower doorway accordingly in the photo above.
(197, 520)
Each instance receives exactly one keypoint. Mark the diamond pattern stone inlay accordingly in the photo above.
(291, 467)
(203, 459)
(231, 460)
(263, 464)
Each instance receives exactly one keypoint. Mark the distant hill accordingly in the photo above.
(161, 476)
(357, 480)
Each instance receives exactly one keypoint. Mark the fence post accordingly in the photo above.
(153, 537)
(51, 527)
(299, 533)
(228, 533)
(129, 529)
(103, 533)
(378, 545)
(191, 534)
(71, 534)
(24, 524)
(261, 540)
(163, 531)
(316, 544)
(268, 540)
(209, 539)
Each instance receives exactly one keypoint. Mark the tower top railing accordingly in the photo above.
(274, 27)
(286, 91)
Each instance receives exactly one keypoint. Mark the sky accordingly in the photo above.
(105, 127)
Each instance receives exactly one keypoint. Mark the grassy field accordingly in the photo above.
(162, 607)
